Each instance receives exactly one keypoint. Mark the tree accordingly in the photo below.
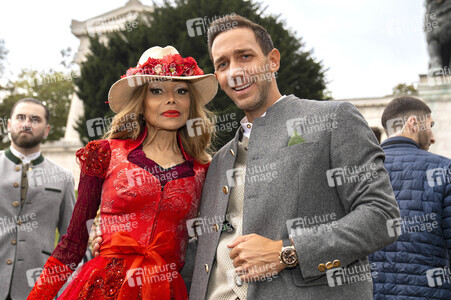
(404, 89)
(54, 89)
(299, 73)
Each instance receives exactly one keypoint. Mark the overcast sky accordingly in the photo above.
(368, 46)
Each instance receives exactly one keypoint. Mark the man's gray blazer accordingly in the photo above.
(310, 190)
(27, 233)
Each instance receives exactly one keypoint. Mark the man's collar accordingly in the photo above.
(16, 157)
(399, 140)
(247, 126)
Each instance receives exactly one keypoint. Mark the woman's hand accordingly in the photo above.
(96, 243)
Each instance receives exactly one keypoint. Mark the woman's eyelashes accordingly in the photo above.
(159, 91)
(156, 91)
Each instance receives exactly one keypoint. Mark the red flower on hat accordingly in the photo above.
(169, 65)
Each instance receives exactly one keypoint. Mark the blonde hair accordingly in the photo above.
(197, 146)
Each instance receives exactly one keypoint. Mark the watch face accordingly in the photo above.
(289, 256)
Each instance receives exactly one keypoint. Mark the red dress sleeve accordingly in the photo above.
(94, 160)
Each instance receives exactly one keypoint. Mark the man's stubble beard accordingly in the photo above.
(260, 99)
(423, 140)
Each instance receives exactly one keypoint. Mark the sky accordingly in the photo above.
(367, 47)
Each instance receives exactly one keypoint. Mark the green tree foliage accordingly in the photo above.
(54, 89)
(404, 89)
(299, 73)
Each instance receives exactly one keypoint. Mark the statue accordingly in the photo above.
(437, 26)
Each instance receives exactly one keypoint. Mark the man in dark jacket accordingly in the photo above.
(417, 265)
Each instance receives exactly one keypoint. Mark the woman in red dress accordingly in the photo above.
(147, 178)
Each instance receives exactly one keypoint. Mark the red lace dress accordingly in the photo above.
(143, 211)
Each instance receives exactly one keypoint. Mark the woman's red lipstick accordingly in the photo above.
(171, 114)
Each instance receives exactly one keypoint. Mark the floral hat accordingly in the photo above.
(159, 63)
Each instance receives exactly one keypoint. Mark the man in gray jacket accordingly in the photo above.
(294, 204)
(37, 197)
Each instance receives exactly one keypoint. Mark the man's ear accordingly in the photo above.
(47, 131)
(274, 60)
(412, 124)
(216, 75)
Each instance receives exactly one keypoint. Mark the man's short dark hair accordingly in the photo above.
(403, 107)
(35, 101)
(234, 21)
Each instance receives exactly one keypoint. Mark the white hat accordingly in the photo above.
(162, 63)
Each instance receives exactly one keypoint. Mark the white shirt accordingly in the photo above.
(23, 158)
(247, 126)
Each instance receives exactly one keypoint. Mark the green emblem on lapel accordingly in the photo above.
(295, 139)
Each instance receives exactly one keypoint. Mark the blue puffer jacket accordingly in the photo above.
(416, 266)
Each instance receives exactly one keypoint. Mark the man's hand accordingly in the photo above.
(96, 243)
(256, 257)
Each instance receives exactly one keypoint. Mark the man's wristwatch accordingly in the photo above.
(288, 257)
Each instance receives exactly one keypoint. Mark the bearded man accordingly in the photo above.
(37, 197)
